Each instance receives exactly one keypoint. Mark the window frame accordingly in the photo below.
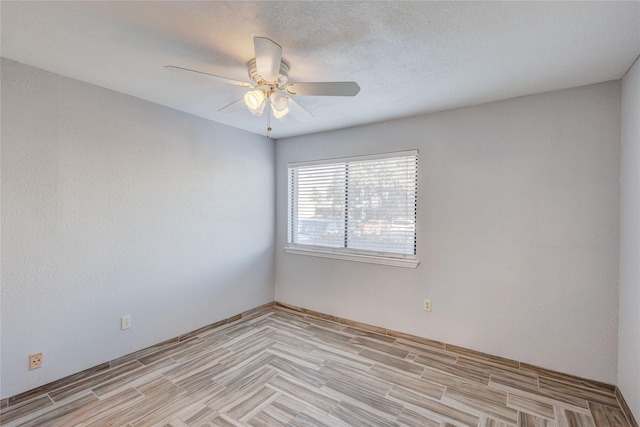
(343, 253)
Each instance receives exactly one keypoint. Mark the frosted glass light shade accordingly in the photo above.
(279, 114)
(279, 104)
(255, 101)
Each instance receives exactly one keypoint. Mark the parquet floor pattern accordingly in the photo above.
(281, 368)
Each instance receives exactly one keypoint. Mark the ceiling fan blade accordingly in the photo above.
(234, 106)
(324, 89)
(209, 76)
(299, 112)
(268, 57)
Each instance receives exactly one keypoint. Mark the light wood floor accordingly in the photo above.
(284, 368)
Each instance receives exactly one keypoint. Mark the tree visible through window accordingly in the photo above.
(363, 205)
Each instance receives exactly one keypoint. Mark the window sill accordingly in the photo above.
(371, 259)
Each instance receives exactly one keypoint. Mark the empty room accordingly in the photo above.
(255, 213)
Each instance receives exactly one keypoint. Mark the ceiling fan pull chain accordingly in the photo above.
(268, 121)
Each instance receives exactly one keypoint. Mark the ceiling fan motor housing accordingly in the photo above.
(283, 75)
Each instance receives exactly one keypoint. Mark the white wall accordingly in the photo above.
(518, 234)
(111, 206)
(629, 327)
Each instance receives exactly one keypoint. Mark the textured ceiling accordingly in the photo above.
(409, 58)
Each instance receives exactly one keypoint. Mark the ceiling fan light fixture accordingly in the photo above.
(255, 100)
(279, 104)
(257, 111)
(281, 113)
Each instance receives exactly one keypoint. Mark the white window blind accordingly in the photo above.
(360, 205)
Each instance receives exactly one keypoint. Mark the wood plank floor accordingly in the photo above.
(281, 368)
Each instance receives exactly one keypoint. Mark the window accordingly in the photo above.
(357, 208)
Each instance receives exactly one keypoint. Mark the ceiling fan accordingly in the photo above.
(270, 85)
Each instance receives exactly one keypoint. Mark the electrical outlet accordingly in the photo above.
(125, 322)
(35, 360)
(427, 305)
